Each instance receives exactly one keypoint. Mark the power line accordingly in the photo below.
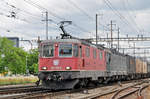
(129, 14)
(43, 9)
(85, 13)
(119, 14)
(81, 10)
(82, 29)
(25, 12)
(53, 14)
(111, 31)
(9, 16)
(108, 3)
(13, 6)
(132, 10)
(73, 29)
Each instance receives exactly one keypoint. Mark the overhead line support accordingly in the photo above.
(118, 37)
(111, 31)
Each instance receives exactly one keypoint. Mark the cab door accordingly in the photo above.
(108, 61)
(81, 61)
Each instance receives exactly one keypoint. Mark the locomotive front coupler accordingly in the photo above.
(54, 77)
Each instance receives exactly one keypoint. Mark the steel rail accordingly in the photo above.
(14, 87)
(139, 89)
(99, 94)
(49, 93)
(40, 94)
(19, 90)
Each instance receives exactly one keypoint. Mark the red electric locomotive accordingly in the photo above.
(69, 62)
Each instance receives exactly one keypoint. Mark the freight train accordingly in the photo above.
(69, 63)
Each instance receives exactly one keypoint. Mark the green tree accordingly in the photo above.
(5, 46)
(32, 62)
(14, 59)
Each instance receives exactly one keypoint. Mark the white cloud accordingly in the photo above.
(32, 26)
(143, 20)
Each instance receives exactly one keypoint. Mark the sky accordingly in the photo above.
(131, 16)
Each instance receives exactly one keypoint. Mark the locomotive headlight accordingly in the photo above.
(68, 68)
(44, 68)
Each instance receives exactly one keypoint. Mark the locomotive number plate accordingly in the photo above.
(56, 67)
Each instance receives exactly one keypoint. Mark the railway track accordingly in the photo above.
(118, 93)
(123, 93)
(114, 89)
(21, 89)
(38, 94)
(30, 92)
(96, 92)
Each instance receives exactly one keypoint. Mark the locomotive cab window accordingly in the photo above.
(48, 50)
(75, 50)
(65, 50)
(94, 53)
(101, 55)
(87, 51)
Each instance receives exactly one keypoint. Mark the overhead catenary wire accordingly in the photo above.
(80, 30)
(13, 6)
(85, 13)
(108, 3)
(53, 14)
(27, 21)
(132, 11)
(8, 16)
(17, 18)
(43, 9)
(75, 25)
(57, 15)
(121, 17)
(129, 14)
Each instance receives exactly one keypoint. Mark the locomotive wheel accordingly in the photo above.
(82, 83)
(100, 80)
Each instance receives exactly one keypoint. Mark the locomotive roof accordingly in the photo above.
(62, 40)
(69, 41)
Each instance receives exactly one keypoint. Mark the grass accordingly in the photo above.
(17, 80)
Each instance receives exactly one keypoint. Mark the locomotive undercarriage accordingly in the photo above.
(58, 80)
(70, 80)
